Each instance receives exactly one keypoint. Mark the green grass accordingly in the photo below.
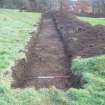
(93, 72)
(14, 29)
(93, 21)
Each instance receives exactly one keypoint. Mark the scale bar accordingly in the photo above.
(47, 77)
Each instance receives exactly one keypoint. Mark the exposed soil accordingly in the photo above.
(45, 59)
(81, 38)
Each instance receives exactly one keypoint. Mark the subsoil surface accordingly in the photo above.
(46, 58)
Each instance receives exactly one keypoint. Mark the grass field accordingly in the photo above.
(93, 21)
(14, 29)
(13, 36)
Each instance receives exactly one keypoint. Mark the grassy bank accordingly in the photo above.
(93, 21)
(14, 29)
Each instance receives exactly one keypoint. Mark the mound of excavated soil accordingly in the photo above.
(81, 38)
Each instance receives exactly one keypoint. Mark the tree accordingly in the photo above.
(98, 7)
(1, 3)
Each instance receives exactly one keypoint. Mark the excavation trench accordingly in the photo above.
(47, 61)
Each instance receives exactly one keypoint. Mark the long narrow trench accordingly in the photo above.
(46, 64)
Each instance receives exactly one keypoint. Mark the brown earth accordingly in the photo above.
(45, 57)
(81, 38)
